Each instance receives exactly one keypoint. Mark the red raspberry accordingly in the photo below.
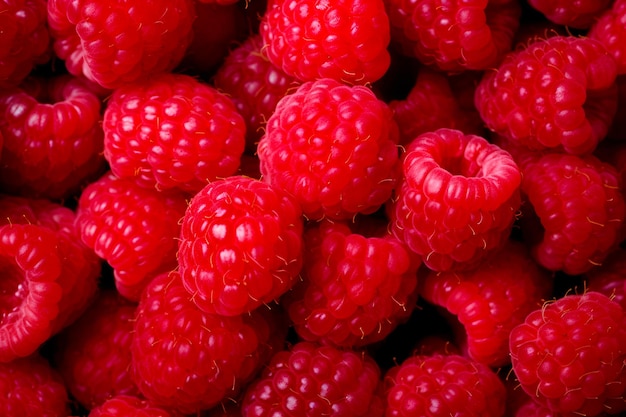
(457, 200)
(334, 303)
(454, 36)
(490, 301)
(128, 405)
(31, 387)
(345, 40)
(578, 15)
(172, 131)
(569, 355)
(240, 245)
(254, 84)
(188, 360)
(309, 379)
(610, 277)
(132, 228)
(24, 39)
(609, 29)
(118, 42)
(555, 93)
(52, 137)
(443, 385)
(332, 146)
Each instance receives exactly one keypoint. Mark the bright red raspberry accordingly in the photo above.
(574, 210)
(334, 303)
(189, 360)
(569, 355)
(172, 131)
(610, 277)
(128, 405)
(578, 15)
(443, 385)
(24, 39)
(133, 229)
(609, 29)
(559, 92)
(454, 36)
(457, 200)
(309, 379)
(31, 387)
(345, 40)
(117, 42)
(240, 245)
(332, 146)
(490, 301)
(53, 140)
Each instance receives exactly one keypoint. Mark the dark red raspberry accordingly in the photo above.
(578, 15)
(333, 147)
(610, 277)
(309, 379)
(240, 245)
(443, 385)
(559, 92)
(569, 355)
(457, 200)
(609, 29)
(53, 140)
(172, 131)
(334, 303)
(454, 36)
(24, 39)
(188, 360)
(345, 40)
(133, 229)
(31, 387)
(117, 42)
(128, 405)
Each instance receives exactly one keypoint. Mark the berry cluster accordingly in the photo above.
(294, 208)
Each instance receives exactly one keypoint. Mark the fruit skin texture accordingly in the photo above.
(345, 40)
(577, 15)
(569, 355)
(128, 405)
(309, 379)
(557, 93)
(117, 42)
(240, 245)
(172, 131)
(457, 199)
(610, 277)
(609, 29)
(333, 147)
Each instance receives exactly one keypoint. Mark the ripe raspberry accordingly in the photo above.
(610, 31)
(443, 385)
(457, 200)
(172, 131)
(345, 40)
(128, 405)
(52, 137)
(555, 93)
(309, 379)
(577, 15)
(24, 39)
(454, 36)
(254, 84)
(334, 304)
(610, 277)
(132, 228)
(31, 387)
(188, 360)
(569, 355)
(113, 43)
(333, 147)
(240, 245)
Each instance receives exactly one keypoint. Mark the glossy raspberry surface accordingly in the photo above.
(127, 405)
(609, 29)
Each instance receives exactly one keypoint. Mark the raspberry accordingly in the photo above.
(172, 131)
(569, 355)
(132, 228)
(610, 277)
(577, 15)
(334, 303)
(188, 360)
(24, 39)
(443, 385)
(457, 200)
(52, 138)
(240, 245)
(333, 147)
(128, 405)
(609, 30)
(31, 387)
(454, 36)
(309, 379)
(555, 93)
(345, 40)
(113, 43)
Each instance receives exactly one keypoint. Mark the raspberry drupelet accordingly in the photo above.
(129, 405)
(610, 31)
(577, 15)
